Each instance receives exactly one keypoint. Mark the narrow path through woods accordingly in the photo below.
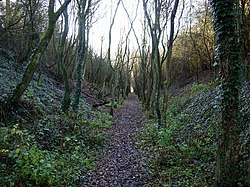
(122, 164)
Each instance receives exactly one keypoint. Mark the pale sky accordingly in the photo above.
(121, 25)
(100, 28)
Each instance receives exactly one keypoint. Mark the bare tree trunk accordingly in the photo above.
(167, 83)
(109, 60)
(142, 53)
(155, 31)
(209, 56)
(66, 98)
(149, 89)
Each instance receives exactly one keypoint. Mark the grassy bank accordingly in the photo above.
(184, 153)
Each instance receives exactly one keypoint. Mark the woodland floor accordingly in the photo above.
(122, 163)
(182, 155)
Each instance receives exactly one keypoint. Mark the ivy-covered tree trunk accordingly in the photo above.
(38, 52)
(228, 55)
(83, 8)
(79, 76)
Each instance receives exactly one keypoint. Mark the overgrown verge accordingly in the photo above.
(185, 152)
(39, 144)
(55, 150)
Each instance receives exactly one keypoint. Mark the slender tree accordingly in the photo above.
(38, 52)
(33, 13)
(167, 82)
(141, 49)
(109, 60)
(206, 25)
(155, 32)
(228, 56)
(66, 98)
(83, 11)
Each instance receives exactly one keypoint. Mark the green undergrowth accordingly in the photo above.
(184, 153)
(39, 144)
(51, 150)
(117, 104)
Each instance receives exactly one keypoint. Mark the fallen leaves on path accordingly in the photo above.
(122, 163)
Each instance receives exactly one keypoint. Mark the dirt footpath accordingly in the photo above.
(122, 164)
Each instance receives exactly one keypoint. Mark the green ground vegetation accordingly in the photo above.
(185, 152)
(51, 149)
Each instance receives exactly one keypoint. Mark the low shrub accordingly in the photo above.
(57, 151)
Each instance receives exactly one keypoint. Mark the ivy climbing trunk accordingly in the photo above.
(228, 56)
(38, 52)
(83, 11)
(79, 67)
